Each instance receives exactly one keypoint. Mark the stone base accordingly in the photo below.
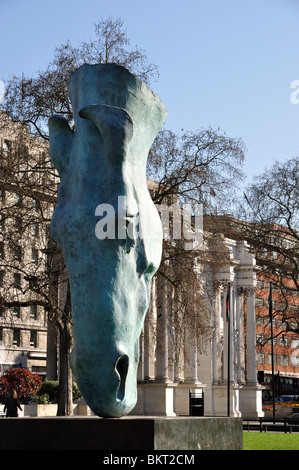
(126, 434)
(251, 401)
(155, 399)
(182, 397)
(220, 400)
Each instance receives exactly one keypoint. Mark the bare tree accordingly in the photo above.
(196, 167)
(35, 99)
(27, 177)
(270, 222)
(112, 45)
(30, 263)
(201, 166)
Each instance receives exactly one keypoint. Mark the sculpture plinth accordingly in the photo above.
(107, 227)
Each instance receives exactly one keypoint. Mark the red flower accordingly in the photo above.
(26, 383)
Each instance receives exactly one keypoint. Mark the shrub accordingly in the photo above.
(42, 399)
(77, 395)
(50, 388)
(26, 384)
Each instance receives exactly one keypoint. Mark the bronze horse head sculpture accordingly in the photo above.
(107, 227)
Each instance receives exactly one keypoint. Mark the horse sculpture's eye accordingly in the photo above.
(150, 270)
(132, 234)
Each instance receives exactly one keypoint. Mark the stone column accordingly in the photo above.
(251, 392)
(228, 337)
(251, 337)
(159, 395)
(240, 376)
(162, 333)
(190, 371)
(178, 372)
(191, 383)
(217, 341)
(149, 337)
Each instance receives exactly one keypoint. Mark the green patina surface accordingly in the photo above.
(101, 163)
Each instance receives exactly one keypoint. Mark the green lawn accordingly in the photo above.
(270, 441)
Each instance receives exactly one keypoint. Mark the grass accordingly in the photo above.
(270, 441)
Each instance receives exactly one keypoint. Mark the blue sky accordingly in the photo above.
(222, 63)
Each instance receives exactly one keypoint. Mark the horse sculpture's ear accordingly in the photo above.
(115, 126)
(61, 137)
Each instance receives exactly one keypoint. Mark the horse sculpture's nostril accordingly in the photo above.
(121, 367)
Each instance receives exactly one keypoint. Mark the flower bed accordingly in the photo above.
(281, 410)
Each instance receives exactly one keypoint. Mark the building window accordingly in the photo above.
(18, 223)
(283, 341)
(25, 151)
(17, 280)
(16, 311)
(282, 306)
(18, 252)
(33, 339)
(260, 338)
(16, 337)
(42, 157)
(7, 146)
(34, 229)
(270, 358)
(259, 302)
(35, 204)
(260, 284)
(18, 200)
(294, 308)
(34, 256)
(260, 357)
(284, 360)
(33, 312)
(274, 322)
(263, 252)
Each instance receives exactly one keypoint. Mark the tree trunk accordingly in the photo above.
(65, 393)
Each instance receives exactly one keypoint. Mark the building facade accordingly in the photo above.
(23, 239)
(285, 351)
(225, 374)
